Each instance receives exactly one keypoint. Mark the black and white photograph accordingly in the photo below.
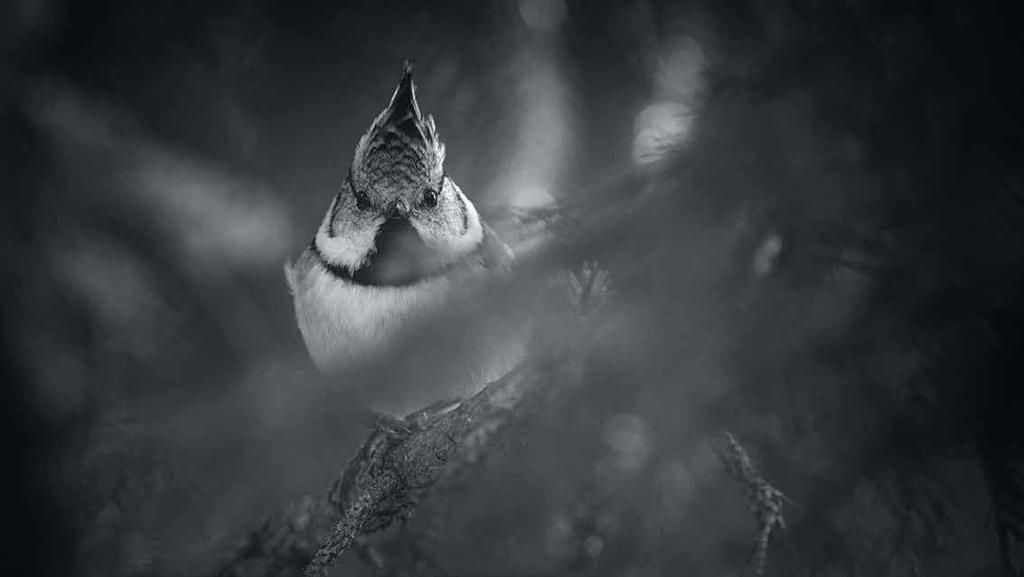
(512, 288)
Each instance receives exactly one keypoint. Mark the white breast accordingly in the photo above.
(344, 323)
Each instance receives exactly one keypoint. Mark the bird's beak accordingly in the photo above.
(400, 209)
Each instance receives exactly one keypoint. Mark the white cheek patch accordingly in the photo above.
(456, 243)
(348, 247)
(474, 232)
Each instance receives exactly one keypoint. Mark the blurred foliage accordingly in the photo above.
(821, 253)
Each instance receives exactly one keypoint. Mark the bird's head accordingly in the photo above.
(398, 217)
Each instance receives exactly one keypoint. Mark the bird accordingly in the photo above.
(398, 234)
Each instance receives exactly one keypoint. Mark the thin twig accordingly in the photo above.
(763, 499)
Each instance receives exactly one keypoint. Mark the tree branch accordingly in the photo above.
(403, 458)
(764, 500)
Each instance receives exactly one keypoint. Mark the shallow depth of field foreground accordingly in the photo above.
(526, 288)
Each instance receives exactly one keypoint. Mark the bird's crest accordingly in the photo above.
(402, 148)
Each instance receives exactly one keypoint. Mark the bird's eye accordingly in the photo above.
(429, 198)
(362, 201)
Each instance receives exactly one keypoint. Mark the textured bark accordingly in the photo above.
(399, 463)
(352, 521)
(764, 500)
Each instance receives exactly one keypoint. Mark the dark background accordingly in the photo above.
(161, 160)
